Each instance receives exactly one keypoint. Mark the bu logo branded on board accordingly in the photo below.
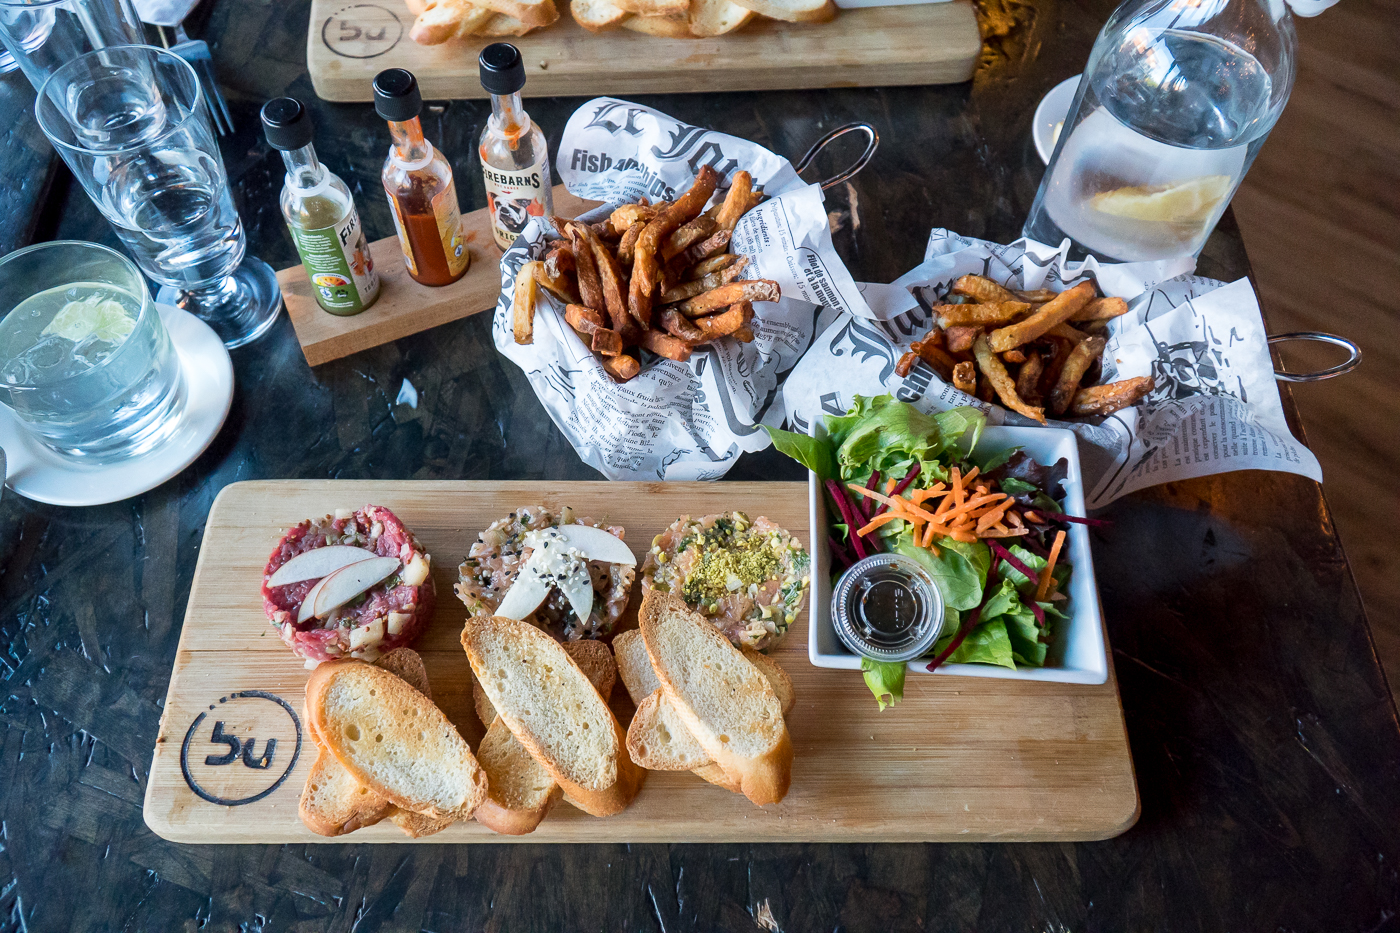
(361, 30)
(241, 748)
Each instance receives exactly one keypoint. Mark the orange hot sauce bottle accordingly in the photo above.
(418, 181)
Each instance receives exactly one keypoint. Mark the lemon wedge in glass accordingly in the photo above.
(101, 318)
(1177, 202)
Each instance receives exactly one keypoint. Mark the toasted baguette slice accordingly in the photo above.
(393, 739)
(663, 26)
(794, 11)
(418, 825)
(717, 17)
(444, 20)
(658, 740)
(673, 9)
(592, 657)
(777, 677)
(557, 715)
(715, 775)
(730, 708)
(502, 25)
(407, 665)
(634, 667)
(597, 15)
(521, 791)
(333, 802)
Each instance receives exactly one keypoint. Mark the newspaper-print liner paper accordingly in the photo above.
(679, 421)
(1215, 408)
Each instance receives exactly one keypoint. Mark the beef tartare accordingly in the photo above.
(747, 577)
(369, 592)
(494, 563)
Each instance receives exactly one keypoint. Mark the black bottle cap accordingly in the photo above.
(396, 95)
(502, 68)
(286, 123)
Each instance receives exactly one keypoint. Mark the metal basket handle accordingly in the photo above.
(872, 143)
(1352, 361)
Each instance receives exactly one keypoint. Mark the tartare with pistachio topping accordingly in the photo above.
(748, 577)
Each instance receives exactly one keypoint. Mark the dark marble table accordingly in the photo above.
(1265, 739)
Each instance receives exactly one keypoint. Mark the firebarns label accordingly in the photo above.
(515, 196)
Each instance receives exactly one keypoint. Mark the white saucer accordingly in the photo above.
(38, 473)
(1053, 109)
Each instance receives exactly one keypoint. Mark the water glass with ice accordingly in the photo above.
(131, 123)
(1176, 100)
(85, 361)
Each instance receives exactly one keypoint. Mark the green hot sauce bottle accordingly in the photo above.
(321, 215)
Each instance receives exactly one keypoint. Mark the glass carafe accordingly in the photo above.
(1175, 102)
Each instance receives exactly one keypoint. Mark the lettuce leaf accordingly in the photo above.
(884, 434)
(885, 679)
(813, 453)
(959, 570)
(988, 643)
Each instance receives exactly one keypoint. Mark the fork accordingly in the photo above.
(170, 14)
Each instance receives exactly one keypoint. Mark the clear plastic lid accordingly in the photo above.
(887, 607)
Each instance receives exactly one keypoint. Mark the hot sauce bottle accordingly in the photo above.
(514, 154)
(418, 180)
(320, 214)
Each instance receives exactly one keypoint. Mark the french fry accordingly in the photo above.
(1058, 351)
(610, 276)
(685, 208)
(686, 236)
(743, 334)
(980, 315)
(1036, 296)
(603, 229)
(714, 280)
(736, 202)
(607, 342)
(523, 305)
(1000, 380)
(906, 364)
(726, 295)
(561, 285)
(965, 377)
(982, 289)
(590, 288)
(559, 259)
(638, 295)
(663, 344)
(935, 337)
(1076, 365)
(936, 358)
(584, 320)
(1067, 332)
(1055, 311)
(678, 325)
(1013, 356)
(1106, 399)
(1028, 378)
(1101, 309)
(960, 337)
(626, 249)
(723, 324)
(713, 264)
(628, 214)
(706, 248)
(622, 367)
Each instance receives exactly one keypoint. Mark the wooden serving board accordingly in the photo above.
(350, 41)
(961, 759)
(404, 306)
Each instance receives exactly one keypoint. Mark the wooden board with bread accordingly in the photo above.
(598, 47)
(441, 665)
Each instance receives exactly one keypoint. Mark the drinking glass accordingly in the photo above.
(85, 361)
(43, 35)
(131, 123)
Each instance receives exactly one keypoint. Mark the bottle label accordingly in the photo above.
(449, 224)
(403, 237)
(514, 196)
(339, 265)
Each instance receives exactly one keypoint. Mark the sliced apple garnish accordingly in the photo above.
(590, 543)
(416, 573)
(317, 563)
(307, 612)
(348, 582)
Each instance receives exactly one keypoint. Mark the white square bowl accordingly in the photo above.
(1076, 655)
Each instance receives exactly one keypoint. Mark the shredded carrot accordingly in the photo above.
(1043, 587)
(994, 515)
(957, 487)
(889, 486)
(928, 535)
(971, 474)
(967, 508)
(879, 520)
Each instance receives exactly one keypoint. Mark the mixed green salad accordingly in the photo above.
(988, 527)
